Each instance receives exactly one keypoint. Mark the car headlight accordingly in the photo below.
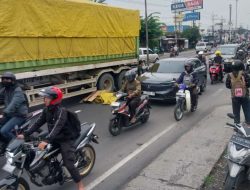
(10, 157)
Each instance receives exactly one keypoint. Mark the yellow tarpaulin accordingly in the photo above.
(51, 29)
(62, 18)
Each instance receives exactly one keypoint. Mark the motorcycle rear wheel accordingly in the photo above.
(22, 185)
(89, 157)
(114, 127)
(178, 113)
(146, 116)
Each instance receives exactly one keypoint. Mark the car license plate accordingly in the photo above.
(149, 93)
(9, 168)
(240, 141)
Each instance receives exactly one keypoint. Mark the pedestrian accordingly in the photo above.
(60, 133)
(238, 82)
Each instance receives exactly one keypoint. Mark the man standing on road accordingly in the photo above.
(238, 82)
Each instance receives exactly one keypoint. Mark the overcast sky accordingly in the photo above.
(217, 7)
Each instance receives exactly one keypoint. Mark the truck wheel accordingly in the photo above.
(121, 79)
(106, 82)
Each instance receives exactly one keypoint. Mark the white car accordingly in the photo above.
(203, 46)
(153, 57)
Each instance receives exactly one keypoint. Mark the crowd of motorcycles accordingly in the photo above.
(45, 167)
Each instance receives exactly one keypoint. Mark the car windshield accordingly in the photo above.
(168, 67)
(201, 44)
(227, 50)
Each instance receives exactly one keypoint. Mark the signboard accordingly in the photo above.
(187, 5)
(192, 16)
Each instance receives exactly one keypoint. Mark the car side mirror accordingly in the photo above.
(174, 79)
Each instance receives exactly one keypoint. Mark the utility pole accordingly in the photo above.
(230, 22)
(175, 25)
(236, 21)
(146, 25)
(213, 18)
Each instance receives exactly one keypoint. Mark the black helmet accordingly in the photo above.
(9, 75)
(188, 64)
(130, 75)
(237, 65)
(241, 52)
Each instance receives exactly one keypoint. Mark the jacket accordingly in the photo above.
(195, 80)
(218, 59)
(134, 87)
(56, 118)
(247, 79)
(14, 101)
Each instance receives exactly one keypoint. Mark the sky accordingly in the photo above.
(220, 8)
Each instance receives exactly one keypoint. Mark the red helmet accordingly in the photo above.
(54, 93)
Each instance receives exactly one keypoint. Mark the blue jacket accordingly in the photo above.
(195, 79)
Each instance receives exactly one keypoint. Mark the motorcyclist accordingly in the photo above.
(60, 134)
(238, 82)
(241, 55)
(219, 60)
(202, 57)
(16, 107)
(133, 88)
(189, 75)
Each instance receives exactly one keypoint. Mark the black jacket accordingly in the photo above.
(218, 59)
(58, 127)
(247, 79)
(195, 80)
(14, 101)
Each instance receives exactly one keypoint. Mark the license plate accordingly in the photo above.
(9, 168)
(149, 93)
(240, 141)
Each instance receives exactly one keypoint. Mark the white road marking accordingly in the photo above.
(78, 111)
(218, 92)
(117, 166)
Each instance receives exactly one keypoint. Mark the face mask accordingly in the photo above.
(7, 84)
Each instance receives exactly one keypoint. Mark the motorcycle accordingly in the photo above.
(214, 71)
(121, 114)
(19, 129)
(183, 102)
(45, 167)
(238, 156)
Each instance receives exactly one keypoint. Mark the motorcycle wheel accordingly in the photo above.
(22, 185)
(178, 113)
(114, 127)
(233, 183)
(146, 116)
(88, 156)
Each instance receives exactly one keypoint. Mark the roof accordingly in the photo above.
(230, 45)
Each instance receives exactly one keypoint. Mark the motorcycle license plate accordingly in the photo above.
(9, 168)
(240, 141)
(149, 93)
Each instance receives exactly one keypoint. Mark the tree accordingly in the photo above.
(98, 1)
(192, 34)
(154, 31)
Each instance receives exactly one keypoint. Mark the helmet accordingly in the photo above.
(53, 93)
(237, 65)
(9, 75)
(188, 64)
(201, 53)
(218, 53)
(240, 52)
(130, 75)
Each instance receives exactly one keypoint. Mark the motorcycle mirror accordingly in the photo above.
(230, 115)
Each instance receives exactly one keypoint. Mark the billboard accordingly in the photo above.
(192, 16)
(187, 5)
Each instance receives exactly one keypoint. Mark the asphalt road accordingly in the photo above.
(121, 158)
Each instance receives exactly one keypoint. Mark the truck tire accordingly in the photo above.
(120, 79)
(106, 82)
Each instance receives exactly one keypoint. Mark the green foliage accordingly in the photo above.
(192, 34)
(154, 31)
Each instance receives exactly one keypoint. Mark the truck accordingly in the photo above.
(77, 45)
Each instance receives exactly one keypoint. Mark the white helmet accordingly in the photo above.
(201, 53)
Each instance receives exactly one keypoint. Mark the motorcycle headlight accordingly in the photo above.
(10, 157)
(235, 155)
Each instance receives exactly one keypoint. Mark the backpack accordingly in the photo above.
(239, 88)
(74, 123)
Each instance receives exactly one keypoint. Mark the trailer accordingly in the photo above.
(77, 45)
